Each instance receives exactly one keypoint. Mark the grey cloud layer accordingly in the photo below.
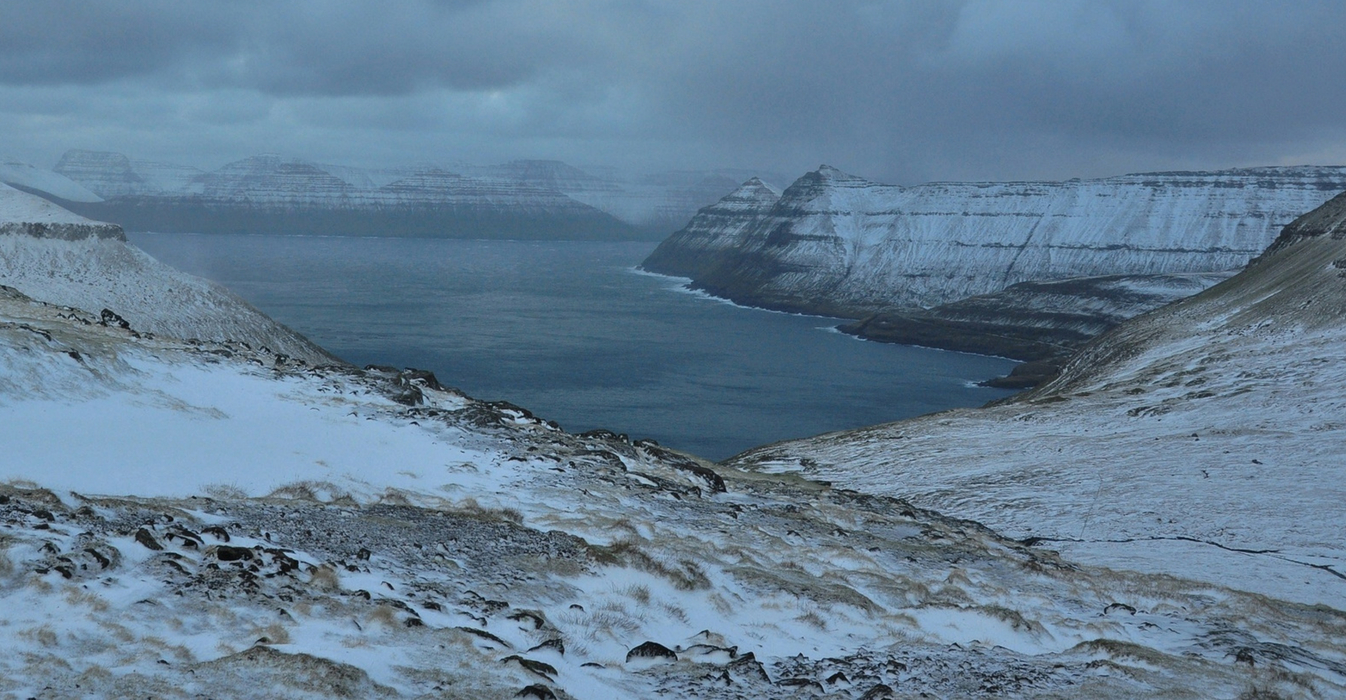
(896, 90)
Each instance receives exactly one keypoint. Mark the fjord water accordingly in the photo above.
(572, 332)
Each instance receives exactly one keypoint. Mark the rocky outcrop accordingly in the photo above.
(838, 244)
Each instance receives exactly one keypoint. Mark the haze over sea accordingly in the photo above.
(572, 332)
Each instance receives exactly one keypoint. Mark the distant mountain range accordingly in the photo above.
(532, 199)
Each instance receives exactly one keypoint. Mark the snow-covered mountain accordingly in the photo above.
(841, 245)
(112, 175)
(657, 203)
(1201, 440)
(62, 258)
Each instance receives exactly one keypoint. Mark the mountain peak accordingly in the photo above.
(756, 189)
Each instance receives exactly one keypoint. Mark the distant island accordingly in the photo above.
(527, 199)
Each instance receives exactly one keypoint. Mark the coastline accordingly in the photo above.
(847, 324)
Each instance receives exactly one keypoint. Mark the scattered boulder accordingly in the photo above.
(112, 318)
(541, 692)
(651, 650)
(146, 539)
(878, 692)
(748, 667)
(545, 670)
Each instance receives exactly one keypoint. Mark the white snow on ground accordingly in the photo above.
(1203, 440)
(16, 206)
(198, 518)
(16, 173)
(186, 427)
(768, 566)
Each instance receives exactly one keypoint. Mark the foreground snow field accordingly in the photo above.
(184, 518)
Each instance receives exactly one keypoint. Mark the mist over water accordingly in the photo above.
(572, 332)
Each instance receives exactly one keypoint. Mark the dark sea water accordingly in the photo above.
(570, 331)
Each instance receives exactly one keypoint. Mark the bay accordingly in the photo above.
(571, 331)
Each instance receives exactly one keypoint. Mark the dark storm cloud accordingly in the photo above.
(896, 90)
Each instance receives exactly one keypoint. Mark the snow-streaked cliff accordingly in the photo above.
(1201, 440)
(840, 244)
(51, 254)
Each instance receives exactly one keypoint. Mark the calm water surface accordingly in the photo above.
(570, 331)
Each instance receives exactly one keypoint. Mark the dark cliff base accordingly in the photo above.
(1042, 350)
(187, 215)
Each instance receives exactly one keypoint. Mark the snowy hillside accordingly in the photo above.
(228, 525)
(1201, 440)
(52, 254)
(838, 244)
(23, 175)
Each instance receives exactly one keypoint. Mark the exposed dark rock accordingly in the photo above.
(541, 692)
(146, 539)
(747, 667)
(878, 692)
(111, 318)
(545, 670)
(651, 650)
(554, 644)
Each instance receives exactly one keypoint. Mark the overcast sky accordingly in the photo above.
(902, 92)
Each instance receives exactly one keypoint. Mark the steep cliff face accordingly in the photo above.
(695, 251)
(1040, 322)
(56, 256)
(839, 244)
